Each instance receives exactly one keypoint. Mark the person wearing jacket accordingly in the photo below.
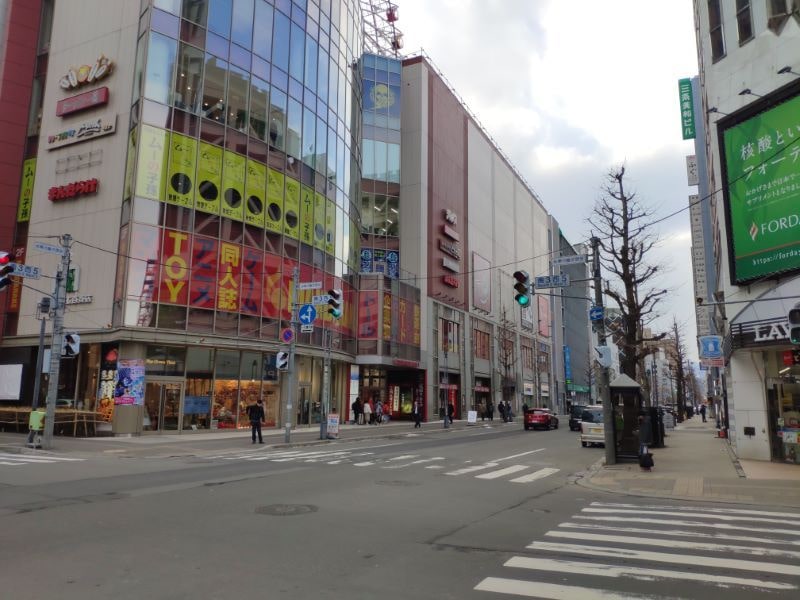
(255, 413)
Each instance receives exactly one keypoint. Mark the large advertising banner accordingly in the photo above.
(151, 169)
(330, 227)
(306, 215)
(230, 267)
(481, 283)
(129, 388)
(762, 161)
(404, 326)
(26, 190)
(233, 174)
(181, 173)
(387, 316)
(256, 186)
(291, 209)
(368, 307)
(544, 315)
(203, 287)
(175, 256)
(271, 297)
(319, 221)
(274, 220)
(252, 267)
(209, 178)
(417, 320)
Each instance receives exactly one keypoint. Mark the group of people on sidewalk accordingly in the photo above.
(369, 412)
(503, 407)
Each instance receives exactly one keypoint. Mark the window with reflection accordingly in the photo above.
(160, 66)
(216, 76)
(238, 88)
(242, 23)
(277, 119)
(250, 385)
(195, 11)
(259, 108)
(143, 275)
(199, 387)
(189, 78)
(309, 129)
(226, 389)
(262, 34)
(219, 17)
(280, 41)
(294, 128)
(296, 52)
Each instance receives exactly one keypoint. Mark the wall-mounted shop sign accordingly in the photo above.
(450, 216)
(451, 281)
(450, 265)
(451, 233)
(81, 102)
(527, 388)
(450, 248)
(766, 332)
(72, 190)
(82, 132)
(80, 299)
(86, 74)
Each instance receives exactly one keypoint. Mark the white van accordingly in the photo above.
(592, 428)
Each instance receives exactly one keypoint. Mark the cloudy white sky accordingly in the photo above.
(570, 90)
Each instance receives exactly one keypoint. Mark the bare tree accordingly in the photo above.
(506, 357)
(626, 238)
(678, 353)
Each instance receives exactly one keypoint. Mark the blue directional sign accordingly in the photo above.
(710, 346)
(307, 314)
(596, 313)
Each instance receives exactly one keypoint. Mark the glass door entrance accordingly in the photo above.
(162, 406)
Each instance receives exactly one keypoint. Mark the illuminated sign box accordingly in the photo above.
(81, 102)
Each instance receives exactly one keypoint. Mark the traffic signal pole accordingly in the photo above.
(605, 391)
(59, 296)
(287, 436)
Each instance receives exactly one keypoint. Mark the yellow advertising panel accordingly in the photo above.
(274, 218)
(209, 178)
(182, 165)
(233, 173)
(291, 209)
(319, 221)
(330, 227)
(26, 190)
(130, 163)
(256, 187)
(306, 215)
(151, 168)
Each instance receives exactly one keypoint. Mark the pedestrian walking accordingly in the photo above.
(451, 411)
(417, 413)
(645, 440)
(387, 413)
(490, 410)
(703, 412)
(502, 408)
(255, 413)
(378, 412)
(509, 412)
(356, 407)
(368, 412)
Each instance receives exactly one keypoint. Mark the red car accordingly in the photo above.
(540, 418)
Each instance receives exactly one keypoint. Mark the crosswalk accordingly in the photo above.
(626, 551)
(489, 470)
(17, 460)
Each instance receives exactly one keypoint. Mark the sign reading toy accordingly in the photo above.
(72, 190)
(81, 102)
(86, 74)
(82, 132)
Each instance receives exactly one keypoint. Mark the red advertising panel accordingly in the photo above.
(252, 266)
(81, 102)
(286, 289)
(368, 307)
(544, 316)
(203, 288)
(417, 319)
(175, 255)
(15, 293)
(228, 276)
(271, 297)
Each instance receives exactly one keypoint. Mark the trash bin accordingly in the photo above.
(657, 423)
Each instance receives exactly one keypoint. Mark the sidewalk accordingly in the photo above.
(697, 465)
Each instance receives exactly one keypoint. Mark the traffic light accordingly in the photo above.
(6, 268)
(72, 345)
(794, 325)
(335, 303)
(282, 361)
(523, 288)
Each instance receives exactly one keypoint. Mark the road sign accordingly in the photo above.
(710, 346)
(26, 271)
(307, 328)
(569, 260)
(287, 335)
(307, 314)
(49, 248)
(713, 362)
(596, 313)
(309, 285)
(321, 299)
(551, 281)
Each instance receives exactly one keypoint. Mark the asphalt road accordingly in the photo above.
(472, 513)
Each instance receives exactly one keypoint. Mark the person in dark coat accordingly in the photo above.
(502, 408)
(417, 413)
(509, 412)
(703, 412)
(451, 410)
(356, 407)
(645, 433)
(490, 409)
(255, 413)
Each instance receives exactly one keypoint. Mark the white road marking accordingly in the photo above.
(736, 511)
(38, 457)
(334, 462)
(415, 462)
(434, 467)
(693, 515)
(540, 474)
(680, 533)
(502, 472)
(683, 559)
(403, 457)
(466, 470)
(607, 570)
(649, 541)
(363, 464)
(552, 591)
(734, 527)
(516, 455)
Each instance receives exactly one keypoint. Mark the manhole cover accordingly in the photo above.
(286, 510)
(397, 483)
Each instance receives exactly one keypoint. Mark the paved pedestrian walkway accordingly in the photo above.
(695, 465)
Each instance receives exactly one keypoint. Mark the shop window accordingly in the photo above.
(195, 11)
(226, 389)
(168, 361)
(189, 79)
(481, 344)
(160, 67)
(214, 83)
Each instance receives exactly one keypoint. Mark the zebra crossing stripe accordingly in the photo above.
(37, 457)
(621, 539)
(608, 570)
(540, 474)
(415, 462)
(734, 527)
(502, 472)
(553, 591)
(732, 511)
(663, 557)
(695, 515)
(404, 457)
(466, 470)
(363, 464)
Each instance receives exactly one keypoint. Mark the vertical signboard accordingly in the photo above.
(687, 108)
(209, 178)
(26, 190)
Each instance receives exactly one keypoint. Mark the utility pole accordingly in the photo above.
(287, 437)
(605, 391)
(326, 385)
(59, 296)
(44, 309)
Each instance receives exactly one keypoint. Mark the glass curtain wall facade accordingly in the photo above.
(241, 166)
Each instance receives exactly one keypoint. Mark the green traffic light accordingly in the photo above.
(794, 335)
(523, 299)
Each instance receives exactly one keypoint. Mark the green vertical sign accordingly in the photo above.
(687, 108)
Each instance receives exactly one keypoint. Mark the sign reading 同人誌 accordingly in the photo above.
(762, 158)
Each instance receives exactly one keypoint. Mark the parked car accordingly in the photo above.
(575, 417)
(540, 418)
(592, 427)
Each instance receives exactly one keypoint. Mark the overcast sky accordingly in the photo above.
(570, 90)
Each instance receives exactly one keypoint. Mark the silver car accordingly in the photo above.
(592, 428)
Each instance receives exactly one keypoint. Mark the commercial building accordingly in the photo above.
(750, 91)
(217, 163)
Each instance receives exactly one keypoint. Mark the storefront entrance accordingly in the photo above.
(163, 406)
